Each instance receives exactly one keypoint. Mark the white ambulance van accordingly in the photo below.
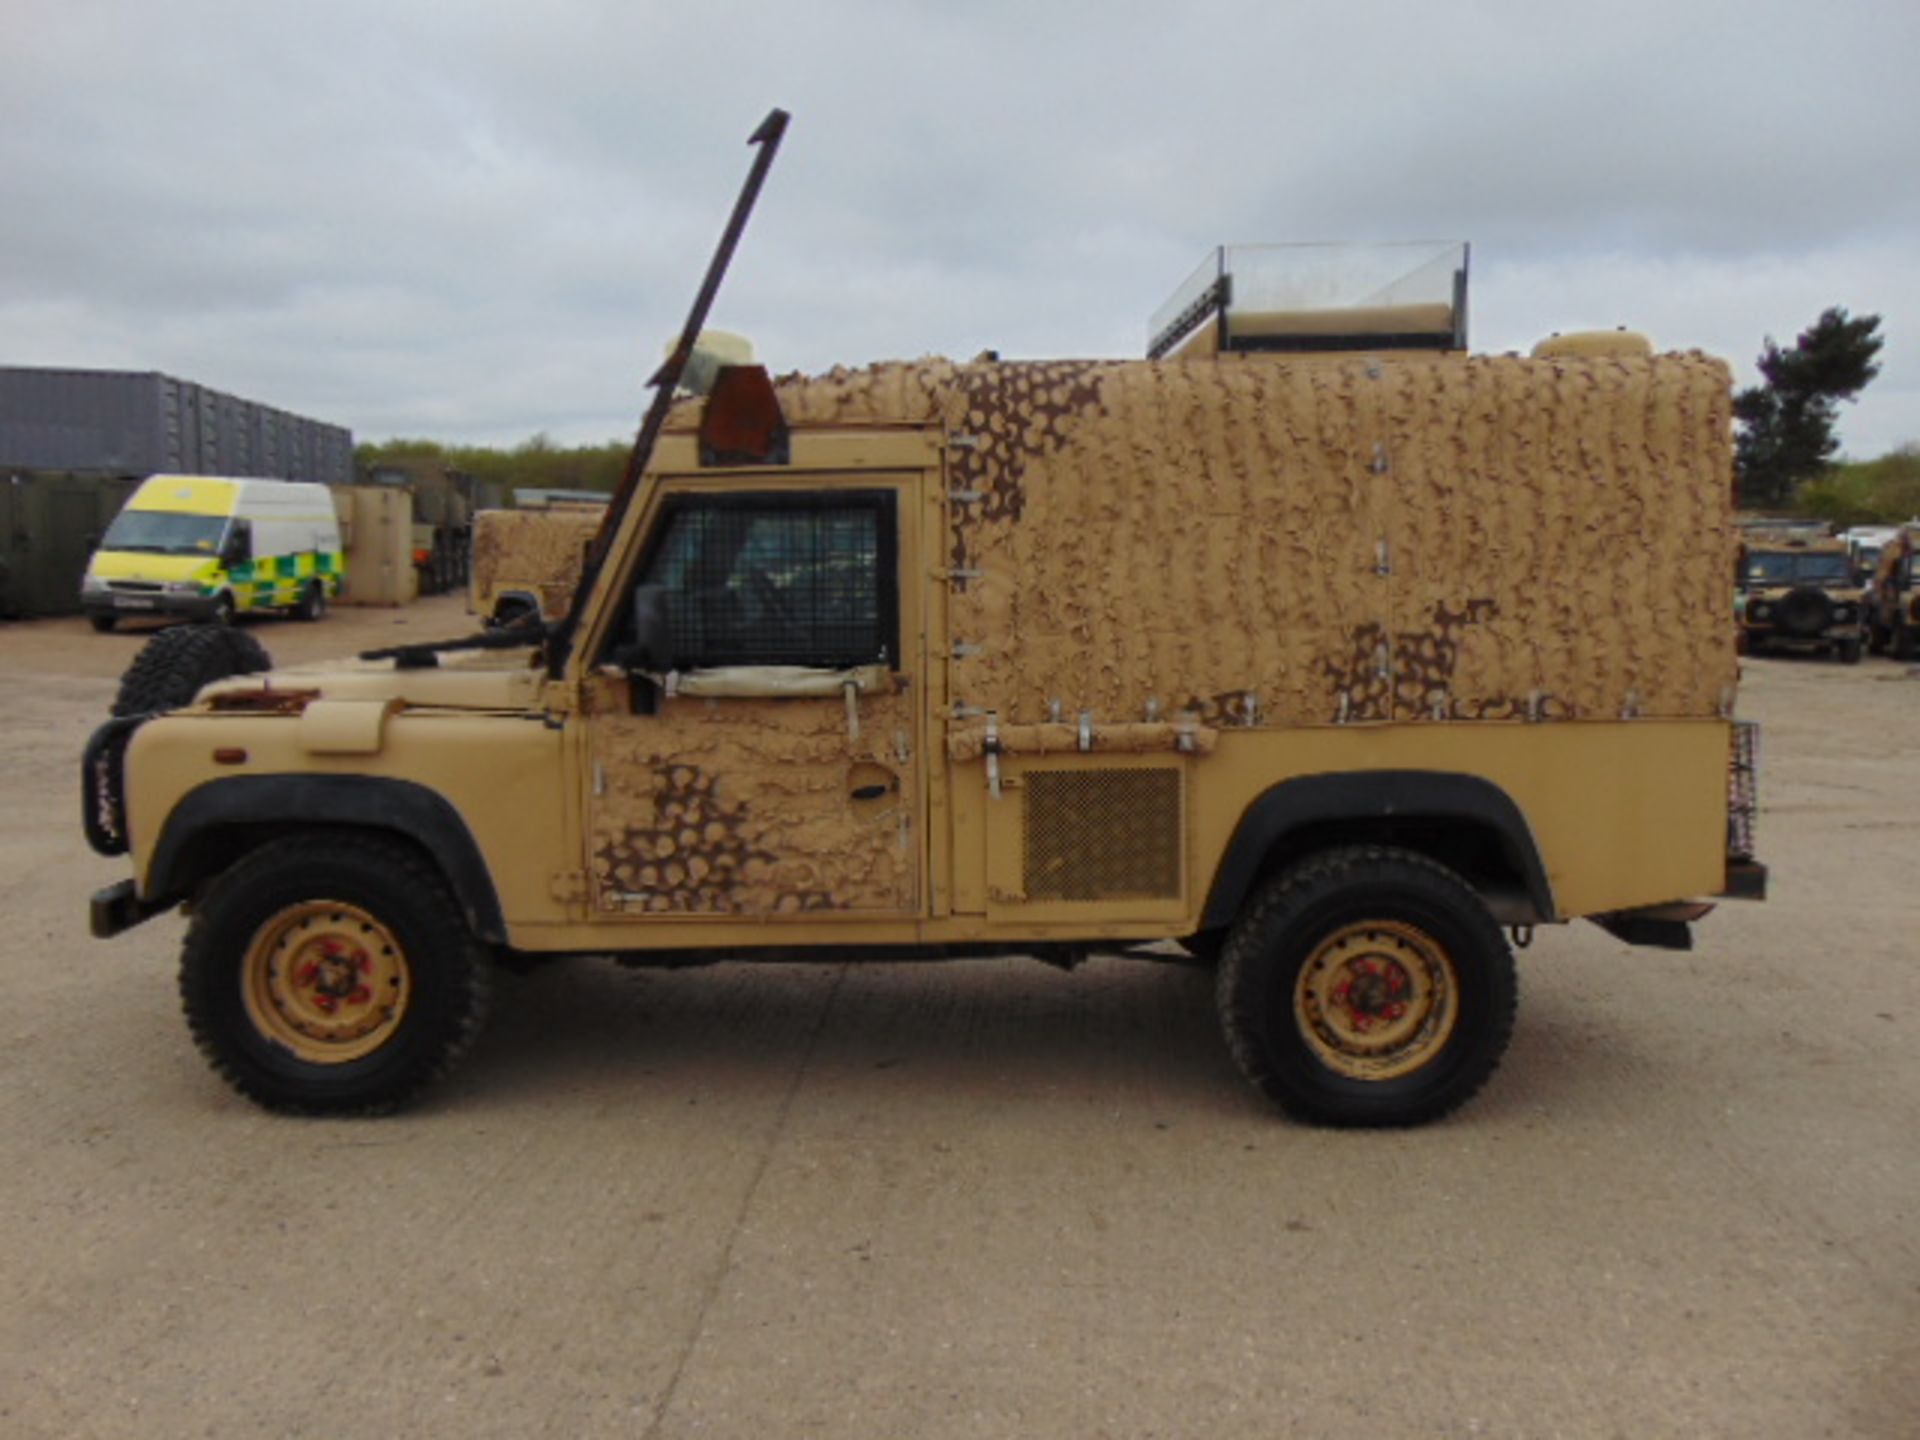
(199, 547)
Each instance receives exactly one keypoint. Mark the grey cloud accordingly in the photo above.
(483, 220)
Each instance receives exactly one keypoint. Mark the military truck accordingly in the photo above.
(1325, 663)
(1893, 596)
(1800, 595)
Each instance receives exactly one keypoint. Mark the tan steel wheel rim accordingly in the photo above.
(326, 981)
(1377, 999)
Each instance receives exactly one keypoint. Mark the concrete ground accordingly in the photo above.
(982, 1199)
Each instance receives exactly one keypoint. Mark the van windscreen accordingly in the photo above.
(164, 532)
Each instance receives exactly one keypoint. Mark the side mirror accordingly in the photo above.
(651, 648)
(648, 652)
(239, 547)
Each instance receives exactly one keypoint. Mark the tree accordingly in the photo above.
(1786, 422)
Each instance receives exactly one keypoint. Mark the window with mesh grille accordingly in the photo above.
(778, 580)
(1102, 835)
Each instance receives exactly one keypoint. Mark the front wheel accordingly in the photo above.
(1367, 986)
(1850, 652)
(332, 976)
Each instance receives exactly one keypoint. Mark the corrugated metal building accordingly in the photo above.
(123, 422)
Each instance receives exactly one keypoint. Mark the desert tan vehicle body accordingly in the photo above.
(1271, 597)
(1893, 596)
(1801, 595)
(1326, 665)
(1159, 625)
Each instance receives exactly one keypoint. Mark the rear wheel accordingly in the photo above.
(313, 601)
(330, 976)
(1367, 986)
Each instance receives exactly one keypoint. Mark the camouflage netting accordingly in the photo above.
(1278, 541)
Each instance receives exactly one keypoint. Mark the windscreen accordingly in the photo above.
(162, 532)
(1799, 569)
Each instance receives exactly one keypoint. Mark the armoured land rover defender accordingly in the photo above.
(1801, 595)
(1324, 649)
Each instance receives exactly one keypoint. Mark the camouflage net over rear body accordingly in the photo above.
(1308, 541)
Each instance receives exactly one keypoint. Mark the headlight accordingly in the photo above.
(91, 584)
(1843, 613)
(1760, 610)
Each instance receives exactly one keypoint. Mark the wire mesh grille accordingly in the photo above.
(1102, 835)
(769, 585)
(1743, 790)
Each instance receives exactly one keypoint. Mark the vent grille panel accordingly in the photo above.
(1103, 835)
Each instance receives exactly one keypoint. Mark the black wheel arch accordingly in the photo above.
(217, 822)
(1465, 822)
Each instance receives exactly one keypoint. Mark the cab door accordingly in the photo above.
(775, 775)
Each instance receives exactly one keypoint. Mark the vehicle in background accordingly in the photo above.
(199, 547)
(444, 500)
(1800, 595)
(1893, 597)
(1864, 544)
(527, 561)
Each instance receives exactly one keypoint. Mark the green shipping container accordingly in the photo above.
(50, 522)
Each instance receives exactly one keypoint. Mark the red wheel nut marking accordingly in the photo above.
(304, 975)
(361, 994)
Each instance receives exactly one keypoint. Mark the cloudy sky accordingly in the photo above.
(478, 219)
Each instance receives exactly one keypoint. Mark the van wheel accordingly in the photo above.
(172, 666)
(1367, 986)
(332, 976)
(223, 611)
(313, 602)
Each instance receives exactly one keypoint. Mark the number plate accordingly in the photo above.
(133, 602)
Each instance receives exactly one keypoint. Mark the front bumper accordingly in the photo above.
(131, 606)
(1766, 633)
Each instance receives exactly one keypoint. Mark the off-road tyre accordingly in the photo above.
(345, 889)
(1370, 904)
(102, 624)
(172, 666)
(313, 602)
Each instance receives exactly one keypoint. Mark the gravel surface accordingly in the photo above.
(982, 1198)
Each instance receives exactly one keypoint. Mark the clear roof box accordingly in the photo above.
(1408, 295)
